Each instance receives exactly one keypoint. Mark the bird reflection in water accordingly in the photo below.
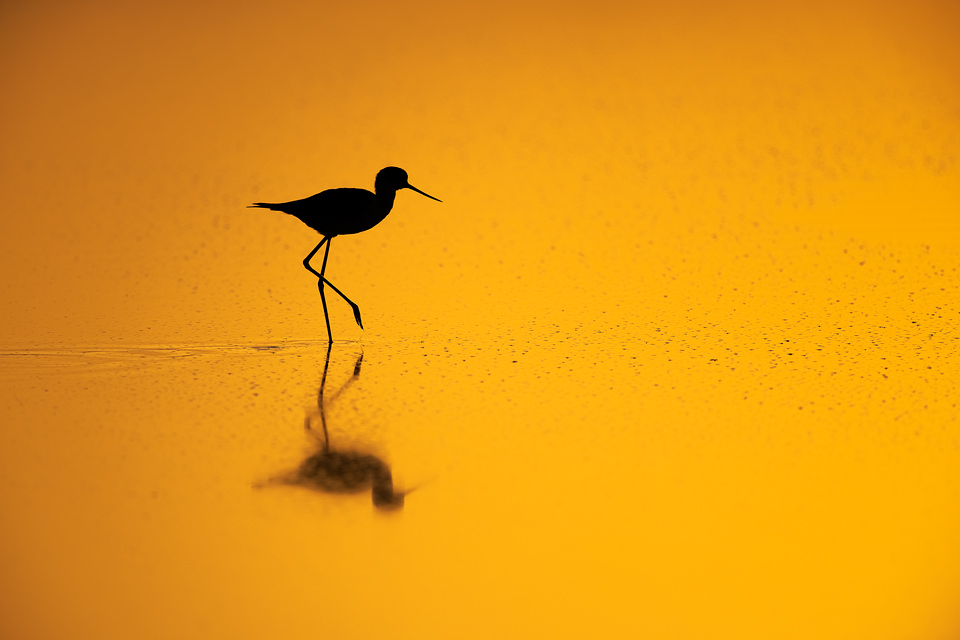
(334, 471)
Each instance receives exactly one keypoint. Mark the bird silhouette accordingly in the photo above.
(337, 212)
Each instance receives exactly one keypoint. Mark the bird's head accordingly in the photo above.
(392, 179)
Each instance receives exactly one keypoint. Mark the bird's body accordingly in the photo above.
(337, 212)
(320, 212)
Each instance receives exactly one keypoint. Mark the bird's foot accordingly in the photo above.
(356, 314)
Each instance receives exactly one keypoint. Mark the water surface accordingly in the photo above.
(675, 358)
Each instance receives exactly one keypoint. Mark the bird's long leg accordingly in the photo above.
(306, 261)
(356, 309)
(326, 315)
(320, 280)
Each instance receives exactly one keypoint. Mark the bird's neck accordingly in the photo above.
(385, 198)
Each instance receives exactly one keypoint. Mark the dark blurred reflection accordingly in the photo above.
(340, 471)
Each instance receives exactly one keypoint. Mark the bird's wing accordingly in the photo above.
(323, 201)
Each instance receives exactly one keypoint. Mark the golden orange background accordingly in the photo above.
(676, 357)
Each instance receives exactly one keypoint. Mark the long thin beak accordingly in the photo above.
(410, 186)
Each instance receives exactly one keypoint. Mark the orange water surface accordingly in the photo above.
(677, 357)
